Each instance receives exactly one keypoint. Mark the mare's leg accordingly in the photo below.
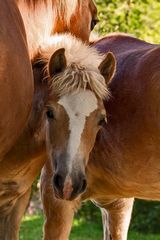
(116, 218)
(105, 221)
(10, 217)
(58, 213)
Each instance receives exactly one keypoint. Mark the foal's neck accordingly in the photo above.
(32, 140)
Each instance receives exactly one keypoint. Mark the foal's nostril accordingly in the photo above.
(58, 181)
(84, 185)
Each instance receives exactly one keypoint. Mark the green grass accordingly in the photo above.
(139, 236)
(86, 231)
(31, 229)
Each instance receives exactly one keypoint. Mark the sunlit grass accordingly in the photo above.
(83, 230)
(31, 229)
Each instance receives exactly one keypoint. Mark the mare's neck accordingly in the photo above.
(38, 21)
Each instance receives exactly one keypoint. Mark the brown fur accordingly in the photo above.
(16, 91)
(124, 162)
(16, 83)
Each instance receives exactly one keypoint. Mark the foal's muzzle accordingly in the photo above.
(69, 187)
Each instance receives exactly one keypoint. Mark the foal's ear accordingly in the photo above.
(57, 62)
(108, 66)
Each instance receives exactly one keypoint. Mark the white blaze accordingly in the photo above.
(78, 106)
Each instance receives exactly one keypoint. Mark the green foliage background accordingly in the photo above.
(140, 18)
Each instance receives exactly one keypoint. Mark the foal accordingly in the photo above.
(75, 115)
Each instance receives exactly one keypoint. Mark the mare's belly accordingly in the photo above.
(139, 181)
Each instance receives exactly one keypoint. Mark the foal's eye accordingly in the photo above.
(50, 113)
(93, 23)
(102, 121)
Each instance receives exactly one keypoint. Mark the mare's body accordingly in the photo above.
(16, 83)
(130, 142)
(125, 160)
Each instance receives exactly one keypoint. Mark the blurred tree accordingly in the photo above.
(136, 17)
(146, 217)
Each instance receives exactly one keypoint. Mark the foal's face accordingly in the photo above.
(73, 123)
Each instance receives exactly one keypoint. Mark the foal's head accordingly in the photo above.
(75, 111)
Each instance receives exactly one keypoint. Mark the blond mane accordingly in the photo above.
(64, 8)
(82, 67)
(39, 18)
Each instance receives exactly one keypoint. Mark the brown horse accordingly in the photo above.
(124, 161)
(75, 115)
(16, 82)
(42, 18)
